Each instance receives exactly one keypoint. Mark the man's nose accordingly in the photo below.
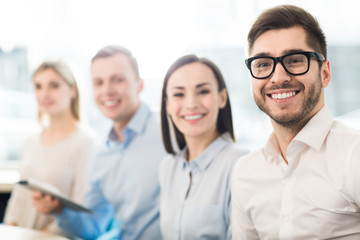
(279, 75)
(107, 87)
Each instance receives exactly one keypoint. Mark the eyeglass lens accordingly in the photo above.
(294, 64)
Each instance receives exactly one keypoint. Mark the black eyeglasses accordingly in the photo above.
(297, 63)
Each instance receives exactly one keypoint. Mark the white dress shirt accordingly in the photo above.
(198, 207)
(315, 196)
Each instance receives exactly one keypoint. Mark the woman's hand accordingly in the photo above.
(45, 203)
(11, 223)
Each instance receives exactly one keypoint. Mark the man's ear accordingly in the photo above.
(141, 85)
(325, 74)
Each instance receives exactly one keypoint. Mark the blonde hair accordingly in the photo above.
(65, 73)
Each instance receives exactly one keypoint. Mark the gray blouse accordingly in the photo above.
(195, 195)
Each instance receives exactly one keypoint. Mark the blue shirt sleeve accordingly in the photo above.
(100, 224)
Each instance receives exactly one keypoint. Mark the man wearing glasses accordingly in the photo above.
(305, 182)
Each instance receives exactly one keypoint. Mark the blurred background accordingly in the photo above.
(157, 32)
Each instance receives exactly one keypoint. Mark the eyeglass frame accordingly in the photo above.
(318, 56)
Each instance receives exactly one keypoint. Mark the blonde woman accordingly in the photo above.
(59, 154)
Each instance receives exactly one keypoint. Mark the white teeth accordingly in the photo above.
(283, 95)
(110, 103)
(193, 117)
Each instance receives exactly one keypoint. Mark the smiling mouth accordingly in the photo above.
(46, 103)
(193, 117)
(282, 96)
(110, 103)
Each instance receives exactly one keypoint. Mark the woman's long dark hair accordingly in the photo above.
(224, 119)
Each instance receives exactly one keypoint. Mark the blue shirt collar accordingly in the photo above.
(207, 156)
(135, 126)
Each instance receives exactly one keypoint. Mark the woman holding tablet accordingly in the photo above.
(59, 154)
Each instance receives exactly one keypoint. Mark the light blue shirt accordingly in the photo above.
(198, 207)
(124, 183)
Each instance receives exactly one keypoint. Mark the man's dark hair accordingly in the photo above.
(287, 16)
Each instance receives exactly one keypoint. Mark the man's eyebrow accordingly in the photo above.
(284, 52)
(116, 75)
(262, 54)
(289, 51)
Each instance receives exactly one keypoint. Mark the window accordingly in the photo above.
(157, 32)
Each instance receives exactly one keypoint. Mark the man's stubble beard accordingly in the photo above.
(299, 119)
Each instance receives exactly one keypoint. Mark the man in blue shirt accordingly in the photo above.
(124, 189)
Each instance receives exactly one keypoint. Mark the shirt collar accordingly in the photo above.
(315, 131)
(208, 155)
(272, 147)
(312, 134)
(136, 124)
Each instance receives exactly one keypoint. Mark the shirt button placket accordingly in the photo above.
(285, 228)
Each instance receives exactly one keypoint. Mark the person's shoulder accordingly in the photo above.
(231, 153)
(341, 128)
(150, 121)
(236, 149)
(86, 131)
(245, 167)
(153, 131)
(248, 160)
(167, 165)
(343, 134)
(154, 118)
(168, 161)
(34, 138)
(32, 143)
(87, 135)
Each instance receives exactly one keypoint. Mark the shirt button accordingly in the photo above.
(286, 218)
(287, 179)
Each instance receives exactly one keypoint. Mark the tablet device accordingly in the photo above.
(52, 191)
